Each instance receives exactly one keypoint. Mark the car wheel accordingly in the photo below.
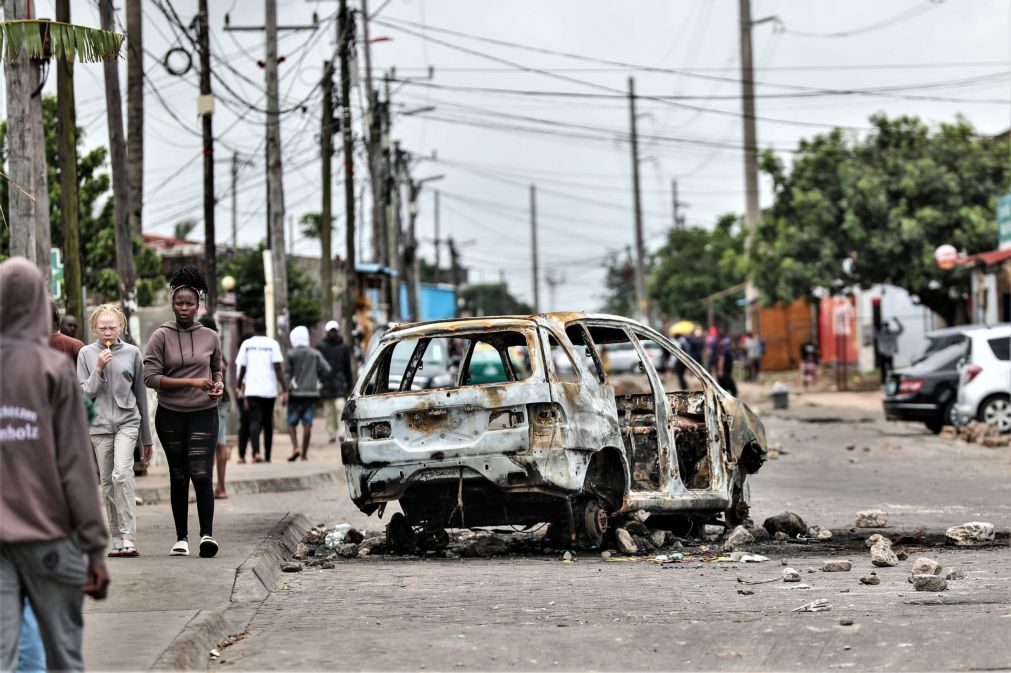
(996, 411)
(592, 523)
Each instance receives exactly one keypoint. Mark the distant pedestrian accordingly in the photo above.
(61, 342)
(887, 342)
(260, 377)
(52, 529)
(184, 364)
(335, 386)
(711, 349)
(725, 365)
(69, 326)
(243, 408)
(111, 373)
(808, 363)
(221, 452)
(753, 350)
(305, 369)
(679, 367)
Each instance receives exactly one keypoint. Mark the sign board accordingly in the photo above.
(1004, 222)
(56, 283)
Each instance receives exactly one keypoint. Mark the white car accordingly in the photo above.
(984, 382)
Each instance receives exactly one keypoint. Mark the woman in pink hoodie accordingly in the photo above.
(184, 364)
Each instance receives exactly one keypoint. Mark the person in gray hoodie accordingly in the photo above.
(111, 373)
(52, 529)
(305, 369)
(183, 362)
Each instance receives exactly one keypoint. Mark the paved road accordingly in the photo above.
(536, 613)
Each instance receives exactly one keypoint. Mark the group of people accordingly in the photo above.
(61, 424)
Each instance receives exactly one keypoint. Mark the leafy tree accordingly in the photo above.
(246, 266)
(619, 286)
(183, 228)
(694, 263)
(95, 217)
(885, 202)
(492, 299)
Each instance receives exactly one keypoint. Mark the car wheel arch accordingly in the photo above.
(608, 467)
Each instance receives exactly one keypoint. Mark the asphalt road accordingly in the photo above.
(537, 613)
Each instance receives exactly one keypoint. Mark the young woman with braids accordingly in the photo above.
(184, 364)
(111, 373)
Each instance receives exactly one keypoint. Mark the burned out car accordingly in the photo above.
(556, 438)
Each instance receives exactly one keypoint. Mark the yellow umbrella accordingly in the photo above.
(682, 327)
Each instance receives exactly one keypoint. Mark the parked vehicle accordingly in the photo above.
(548, 443)
(984, 387)
(622, 357)
(940, 339)
(925, 391)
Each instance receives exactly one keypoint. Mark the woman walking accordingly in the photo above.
(111, 373)
(184, 364)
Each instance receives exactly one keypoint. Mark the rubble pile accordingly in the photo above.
(972, 534)
(983, 433)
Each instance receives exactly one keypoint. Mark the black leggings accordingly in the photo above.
(189, 439)
(243, 428)
(261, 417)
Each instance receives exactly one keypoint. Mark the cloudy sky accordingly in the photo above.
(528, 92)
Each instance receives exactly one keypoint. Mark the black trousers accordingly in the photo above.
(189, 439)
(243, 427)
(261, 417)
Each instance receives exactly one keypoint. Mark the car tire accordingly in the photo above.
(996, 410)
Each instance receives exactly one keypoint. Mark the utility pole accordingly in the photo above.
(751, 211)
(326, 208)
(454, 260)
(117, 154)
(411, 253)
(375, 117)
(135, 114)
(235, 204)
(66, 128)
(642, 304)
(207, 113)
(438, 241)
(22, 79)
(553, 280)
(275, 187)
(345, 35)
(533, 247)
(291, 234)
(679, 218)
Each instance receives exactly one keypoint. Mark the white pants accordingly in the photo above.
(334, 409)
(114, 454)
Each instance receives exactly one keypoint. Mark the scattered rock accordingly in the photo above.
(780, 536)
(925, 566)
(567, 556)
(712, 532)
(787, 523)
(327, 565)
(640, 515)
(818, 605)
(851, 447)
(346, 550)
(954, 574)
(790, 575)
(605, 555)
(929, 583)
(784, 562)
(971, 534)
(740, 536)
(354, 536)
(867, 449)
(291, 567)
(882, 554)
(872, 579)
(901, 554)
(626, 545)
(844, 591)
(872, 519)
(301, 551)
(995, 441)
(845, 622)
(948, 432)
(658, 538)
(746, 592)
(873, 540)
(836, 566)
(483, 546)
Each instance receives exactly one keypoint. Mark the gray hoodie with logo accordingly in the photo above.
(118, 392)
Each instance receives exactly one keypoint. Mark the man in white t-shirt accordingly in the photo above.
(260, 377)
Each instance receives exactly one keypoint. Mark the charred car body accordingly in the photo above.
(554, 442)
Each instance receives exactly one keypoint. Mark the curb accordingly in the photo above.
(153, 495)
(254, 580)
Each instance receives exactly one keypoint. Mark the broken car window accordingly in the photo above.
(585, 351)
(565, 369)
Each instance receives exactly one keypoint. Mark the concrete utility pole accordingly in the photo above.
(326, 177)
(117, 155)
(275, 186)
(66, 128)
(438, 241)
(22, 79)
(345, 35)
(375, 117)
(679, 218)
(135, 114)
(454, 260)
(411, 253)
(641, 301)
(533, 247)
(207, 113)
(235, 204)
(751, 211)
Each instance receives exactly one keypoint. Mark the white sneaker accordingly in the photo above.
(180, 548)
(208, 546)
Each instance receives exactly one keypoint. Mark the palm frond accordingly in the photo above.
(66, 41)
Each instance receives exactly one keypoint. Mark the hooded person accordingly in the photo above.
(304, 371)
(335, 386)
(53, 535)
(183, 362)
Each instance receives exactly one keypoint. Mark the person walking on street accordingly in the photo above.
(61, 342)
(888, 345)
(68, 326)
(221, 452)
(753, 348)
(243, 408)
(52, 529)
(304, 371)
(185, 365)
(725, 365)
(808, 363)
(335, 386)
(259, 362)
(111, 374)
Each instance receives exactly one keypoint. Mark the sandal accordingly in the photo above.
(129, 550)
(293, 457)
(257, 459)
(221, 495)
(241, 461)
(115, 552)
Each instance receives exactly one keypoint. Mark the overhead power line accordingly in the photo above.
(901, 17)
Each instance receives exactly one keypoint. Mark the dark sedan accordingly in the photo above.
(925, 391)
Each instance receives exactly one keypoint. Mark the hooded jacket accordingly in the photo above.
(48, 489)
(338, 356)
(191, 353)
(304, 367)
(118, 391)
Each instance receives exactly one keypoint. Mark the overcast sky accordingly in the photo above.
(935, 60)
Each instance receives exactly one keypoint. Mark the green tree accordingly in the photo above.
(885, 202)
(694, 263)
(246, 266)
(95, 219)
(183, 228)
(492, 299)
(619, 286)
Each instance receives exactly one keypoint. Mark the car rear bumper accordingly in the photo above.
(896, 410)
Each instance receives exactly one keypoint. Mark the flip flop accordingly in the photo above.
(293, 457)
(115, 552)
(130, 551)
(220, 496)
